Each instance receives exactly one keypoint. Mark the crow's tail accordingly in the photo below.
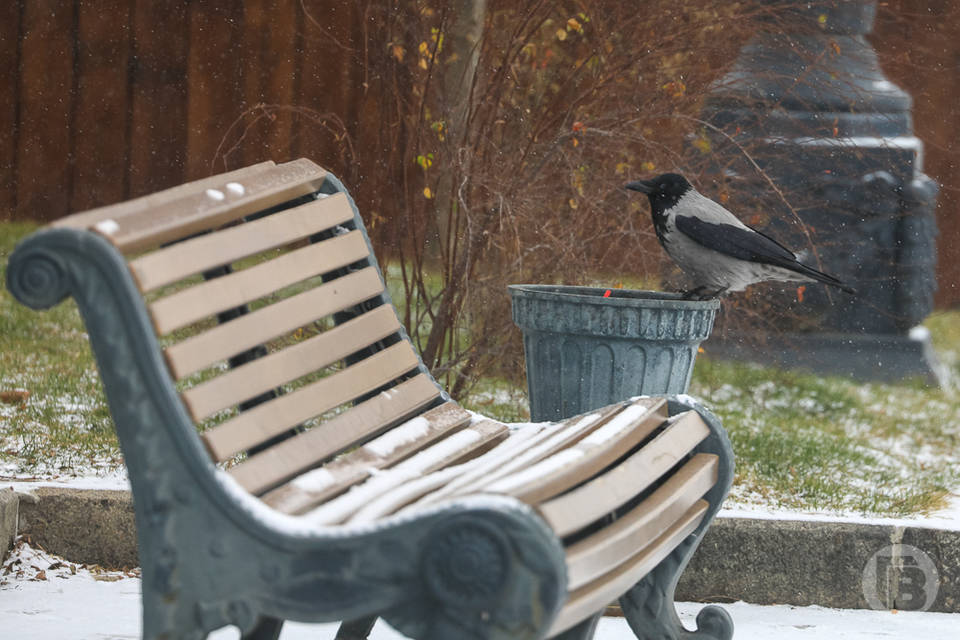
(825, 278)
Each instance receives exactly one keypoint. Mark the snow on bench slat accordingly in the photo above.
(562, 470)
(355, 466)
(562, 434)
(413, 489)
(405, 433)
(430, 459)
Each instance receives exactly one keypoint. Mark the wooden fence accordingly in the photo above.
(108, 99)
(111, 99)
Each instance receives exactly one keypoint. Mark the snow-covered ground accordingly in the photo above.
(45, 598)
(948, 518)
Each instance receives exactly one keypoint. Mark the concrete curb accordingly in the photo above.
(754, 560)
(826, 563)
(82, 525)
(9, 504)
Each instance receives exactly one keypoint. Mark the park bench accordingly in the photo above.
(291, 458)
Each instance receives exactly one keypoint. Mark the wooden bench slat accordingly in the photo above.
(448, 451)
(550, 439)
(199, 254)
(226, 292)
(303, 451)
(602, 551)
(91, 217)
(589, 502)
(314, 487)
(293, 362)
(407, 492)
(272, 418)
(579, 463)
(594, 596)
(252, 329)
(195, 212)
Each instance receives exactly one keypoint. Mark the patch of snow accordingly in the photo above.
(345, 505)
(93, 609)
(948, 519)
(400, 435)
(115, 480)
(440, 451)
(107, 227)
(884, 85)
(539, 470)
(492, 464)
(314, 481)
(617, 425)
(236, 188)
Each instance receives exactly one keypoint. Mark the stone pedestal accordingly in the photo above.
(809, 103)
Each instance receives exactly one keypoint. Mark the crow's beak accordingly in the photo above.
(643, 186)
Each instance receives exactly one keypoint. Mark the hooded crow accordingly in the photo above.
(720, 253)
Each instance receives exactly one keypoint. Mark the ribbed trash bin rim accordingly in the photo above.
(584, 350)
(617, 297)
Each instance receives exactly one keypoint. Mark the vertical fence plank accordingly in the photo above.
(9, 97)
(279, 73)
(101, 112)
(158, 137)
(46, 88)
(328, 61)
(215, 89)
(269, 78)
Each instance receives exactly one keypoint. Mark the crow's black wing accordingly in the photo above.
(737, 242)
(751, 245)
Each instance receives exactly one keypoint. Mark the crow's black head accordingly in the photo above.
(664, 191)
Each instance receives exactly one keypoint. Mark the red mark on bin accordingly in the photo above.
(606, 294)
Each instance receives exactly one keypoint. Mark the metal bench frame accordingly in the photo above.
(212, 554)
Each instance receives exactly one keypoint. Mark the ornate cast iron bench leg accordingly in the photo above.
(649, 606)
(582, 631)
(265, 629)
(358, 629)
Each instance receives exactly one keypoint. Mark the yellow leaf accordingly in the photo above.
(427, 193)
(702, 144)
(648, 166)
(423, 63)
(573, 203)
(622, 168)
(574, 25)
(561, 34)
(398, 52)
(576, 142)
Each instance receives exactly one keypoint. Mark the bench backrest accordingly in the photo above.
(273, 316)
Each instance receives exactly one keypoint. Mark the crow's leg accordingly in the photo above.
(715, 294)
(696, 293)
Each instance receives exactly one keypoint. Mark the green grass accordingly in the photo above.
(823, 443)
(64, 424)
(801, 441)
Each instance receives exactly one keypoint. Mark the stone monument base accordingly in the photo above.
(863, 357)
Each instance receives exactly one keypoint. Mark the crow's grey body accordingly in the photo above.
(717, 251)
(712, 269)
